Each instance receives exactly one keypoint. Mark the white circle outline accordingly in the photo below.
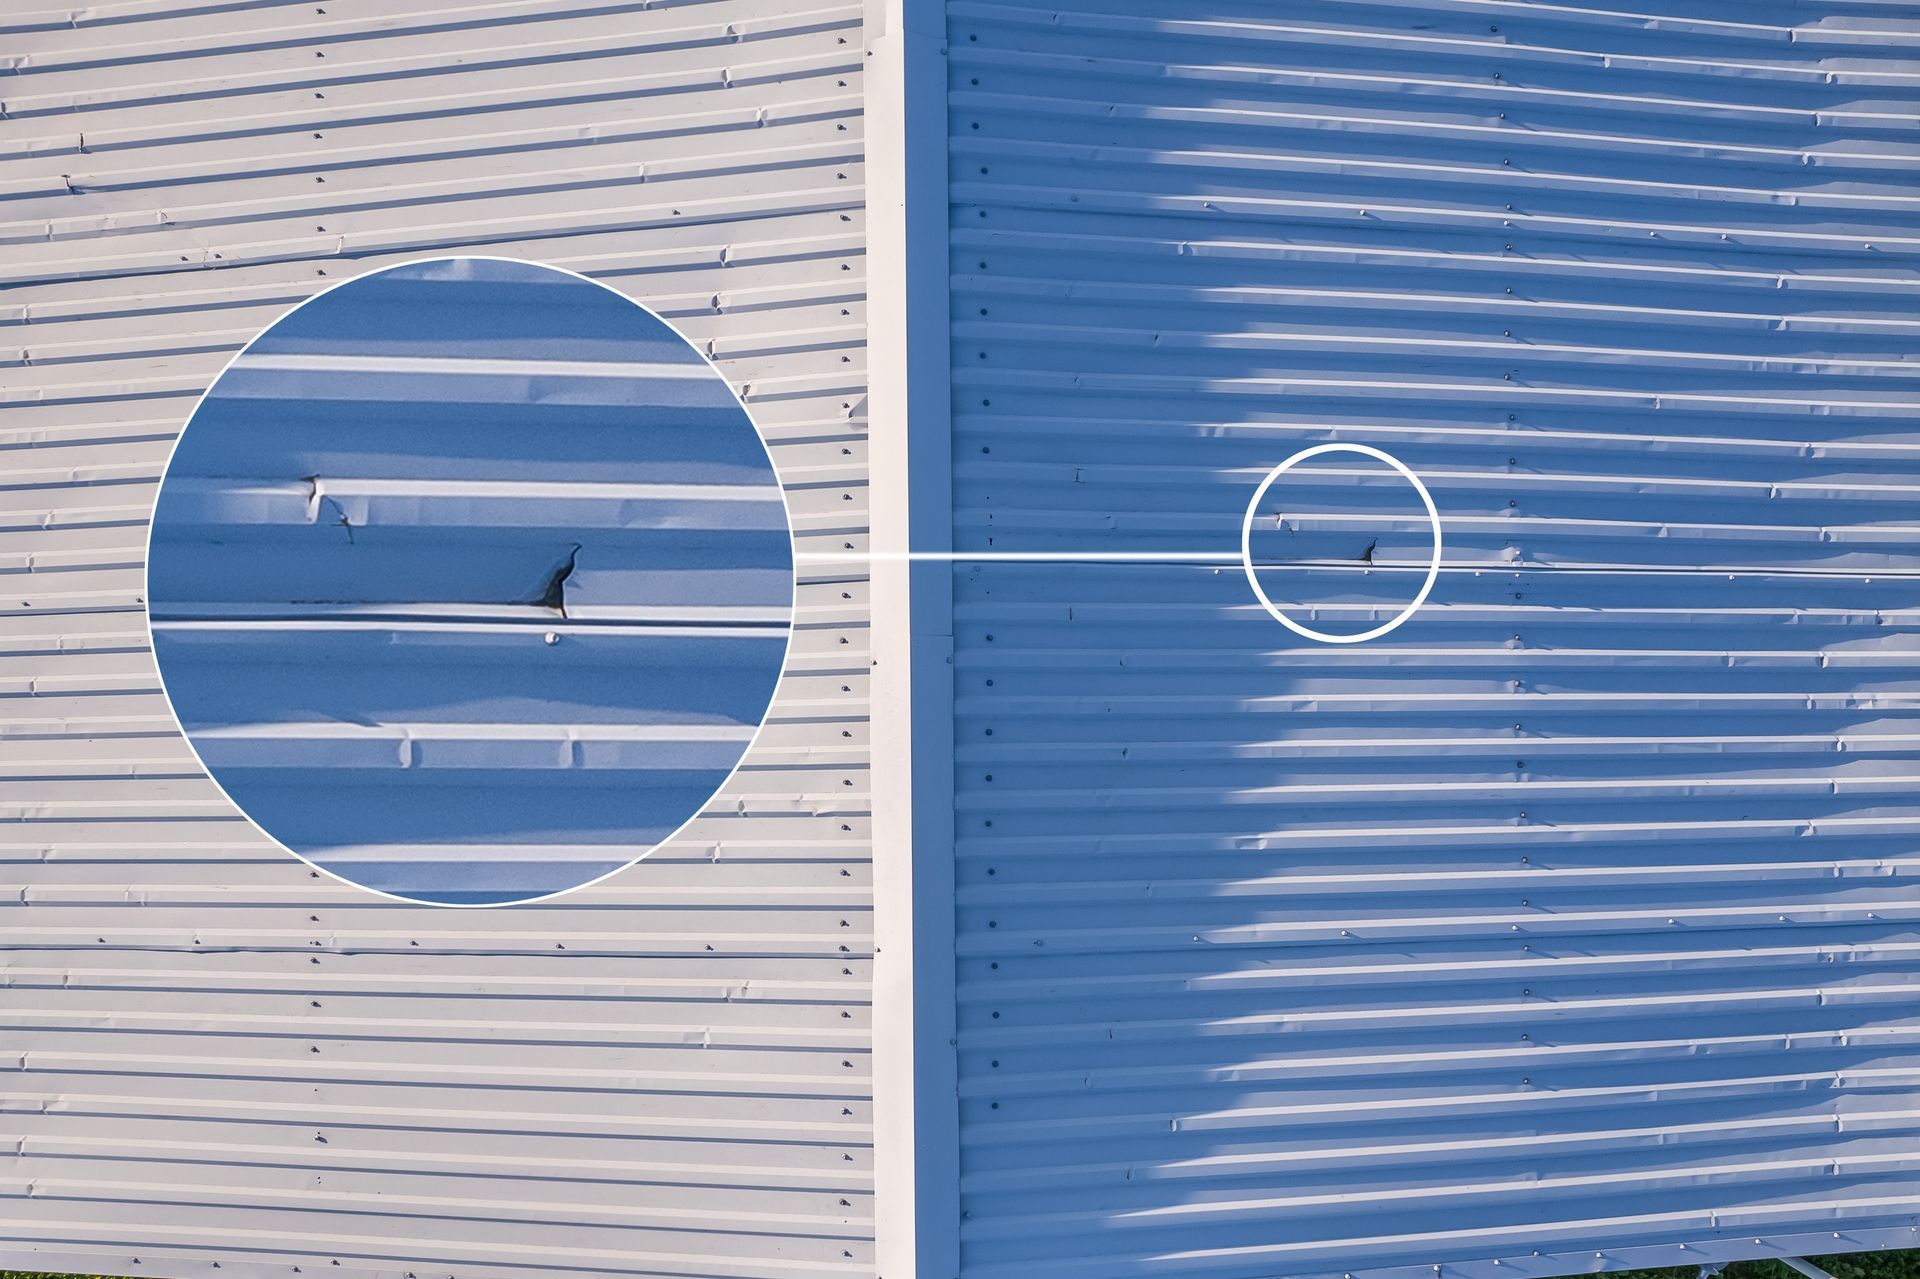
(1253, 578)
(786, 655)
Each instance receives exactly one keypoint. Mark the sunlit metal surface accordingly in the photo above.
(1574, 921)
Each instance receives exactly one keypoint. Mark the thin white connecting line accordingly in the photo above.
(1057, 557)
(1031, 557)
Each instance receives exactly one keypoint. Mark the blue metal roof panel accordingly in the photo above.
(1570, 926)
(388, 624)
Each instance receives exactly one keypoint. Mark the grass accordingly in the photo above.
(1892, 1264)
(1902, 1264)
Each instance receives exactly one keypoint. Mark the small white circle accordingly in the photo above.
(1253, 578)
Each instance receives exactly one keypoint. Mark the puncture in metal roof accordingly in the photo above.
(470, 581)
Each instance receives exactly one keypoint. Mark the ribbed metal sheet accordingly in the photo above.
(1572, 925)
(470, 581)
(215, 1054)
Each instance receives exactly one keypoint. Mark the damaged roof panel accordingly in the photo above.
(282, 598)
(1570, 926)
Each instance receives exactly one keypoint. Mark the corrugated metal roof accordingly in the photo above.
(1571, 925)
(470, 581)
(215, 1055)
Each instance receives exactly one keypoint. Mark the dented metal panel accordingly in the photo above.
(214, 1054)
(1571, 926)
(470, 581)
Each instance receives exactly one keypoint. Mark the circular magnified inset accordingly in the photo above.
(1347, 539)
(470, 581)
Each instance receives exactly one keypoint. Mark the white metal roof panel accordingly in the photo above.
(215, 1056)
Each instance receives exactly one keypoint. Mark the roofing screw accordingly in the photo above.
(552, 637)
